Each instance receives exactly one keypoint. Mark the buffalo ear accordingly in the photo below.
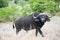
(36, 19)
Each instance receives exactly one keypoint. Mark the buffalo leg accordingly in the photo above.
(40, 32)
(36, 32)
(17, 31)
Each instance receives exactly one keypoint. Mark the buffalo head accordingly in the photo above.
(41, 17)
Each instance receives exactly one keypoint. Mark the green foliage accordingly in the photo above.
(22, 3)
(43, 5)
(25, 7)
(4, 3)
(8, 13)
(11, 12)
(57, 1)
(26, 10)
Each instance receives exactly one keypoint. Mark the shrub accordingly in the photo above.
(42, 5)
(4, 3)
(8, 13)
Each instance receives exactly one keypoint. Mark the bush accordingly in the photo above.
(42, 5)
(25, 7)
(8, 13)
(4, 3)
(26, 10)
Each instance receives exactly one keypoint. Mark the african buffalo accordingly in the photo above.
(32, 21)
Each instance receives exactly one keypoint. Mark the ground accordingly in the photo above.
(51, 31)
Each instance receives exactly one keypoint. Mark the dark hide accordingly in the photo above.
(28, 22)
